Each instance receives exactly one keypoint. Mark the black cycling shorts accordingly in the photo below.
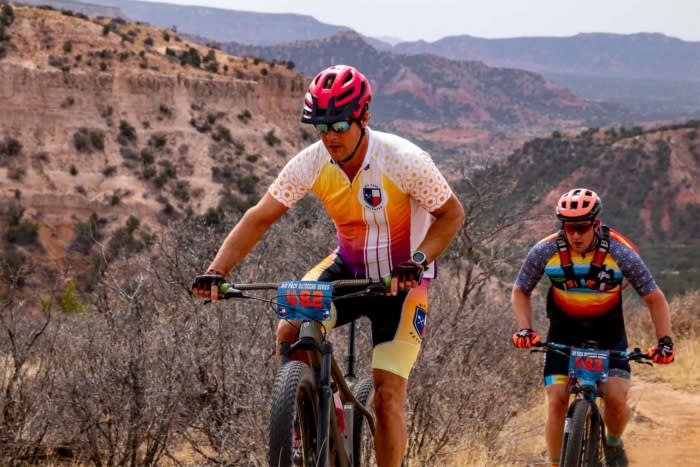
(398, 322)
(610, 335)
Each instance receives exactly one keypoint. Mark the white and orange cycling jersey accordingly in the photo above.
(383, 214)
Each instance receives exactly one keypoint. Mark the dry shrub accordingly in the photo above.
(685, 315)
(151, 376)
(685, 319)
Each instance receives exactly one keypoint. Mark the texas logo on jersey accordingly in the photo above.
(372, 196)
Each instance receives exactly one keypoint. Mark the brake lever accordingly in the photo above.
(230, 293)
(376, 289)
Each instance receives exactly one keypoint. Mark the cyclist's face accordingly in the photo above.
(580, 235)
(340, 145)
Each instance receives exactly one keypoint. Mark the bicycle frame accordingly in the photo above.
(588, 366)
(311, 339)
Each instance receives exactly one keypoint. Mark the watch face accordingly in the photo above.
(418, 258)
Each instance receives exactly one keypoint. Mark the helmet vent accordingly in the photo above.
(344, 95)
(328, 83)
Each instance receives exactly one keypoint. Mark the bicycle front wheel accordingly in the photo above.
(582, 444)
(293, 417)
(362, 442)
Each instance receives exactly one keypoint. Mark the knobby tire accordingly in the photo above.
(294, 403)
(583, 445)
(362, 442)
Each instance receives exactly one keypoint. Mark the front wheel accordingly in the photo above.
(293, 417)
(583, 436)
(362, 442)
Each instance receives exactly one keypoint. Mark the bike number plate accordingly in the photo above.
(588, 364)
(299, 300)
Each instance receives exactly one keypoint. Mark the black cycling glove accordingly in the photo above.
(204, 282)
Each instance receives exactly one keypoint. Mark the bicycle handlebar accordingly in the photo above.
(635, 355)
(379, 286)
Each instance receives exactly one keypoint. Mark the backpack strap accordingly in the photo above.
(592, 280)
(570, 281)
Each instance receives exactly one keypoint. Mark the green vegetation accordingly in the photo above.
(127, 133)
(86, 140)
(69, 301)
(271, 139)
(222, 134)
(158, 140)
(124, 241)
(190, 57)
(7, 17)
(109, 171)
(10, 146)
(87, 233)
(19, 231)
(245, 116)
(676, 266)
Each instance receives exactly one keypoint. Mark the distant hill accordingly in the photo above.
(454, 102)
(225, 24)
(639, 56)
(86, 8)
(653, 74)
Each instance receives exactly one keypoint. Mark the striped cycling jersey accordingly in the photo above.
(621, 262)
(381, 215)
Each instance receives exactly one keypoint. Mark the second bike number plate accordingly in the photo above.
(299, 300)
(589, 364)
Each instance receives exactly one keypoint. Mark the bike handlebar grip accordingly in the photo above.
(386, 281)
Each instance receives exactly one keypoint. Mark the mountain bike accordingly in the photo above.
(304, 428)
(583, 442)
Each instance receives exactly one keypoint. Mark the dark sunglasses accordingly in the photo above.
(577, 228)
(339, 127)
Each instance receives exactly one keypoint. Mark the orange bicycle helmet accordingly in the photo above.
(579, 204)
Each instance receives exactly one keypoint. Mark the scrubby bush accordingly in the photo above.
(271, 139)
(86, 140)
(10, 146)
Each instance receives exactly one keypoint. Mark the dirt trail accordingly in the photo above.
(665, 428)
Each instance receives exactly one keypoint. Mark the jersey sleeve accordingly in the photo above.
(633, 268)
(418, 175)
(532, 269)
(296, 177)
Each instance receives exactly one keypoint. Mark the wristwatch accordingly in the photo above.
(419, 257)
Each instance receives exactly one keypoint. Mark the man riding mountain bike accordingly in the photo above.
(394, 213)
(587, 263)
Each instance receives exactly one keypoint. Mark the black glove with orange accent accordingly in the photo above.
(662, 353)
(407, 272)
(202, 284)
(525, 338)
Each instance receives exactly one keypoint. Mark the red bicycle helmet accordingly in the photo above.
(579, 204)
(339, 92)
